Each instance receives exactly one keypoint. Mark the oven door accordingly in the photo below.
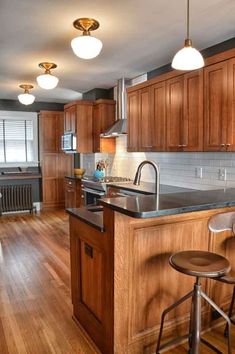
(91, 196)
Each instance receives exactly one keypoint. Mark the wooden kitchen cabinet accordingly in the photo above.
(185, 112)
(133, 121)
(73, 193)
(220, 106)
(174, 112)
(79, 120)
(103, 118)
(54, 163)
(70, 119)
(158, 116)
(146, 119)
(216, 101)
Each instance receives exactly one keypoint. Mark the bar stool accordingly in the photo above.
(219, 223)
(200, 264)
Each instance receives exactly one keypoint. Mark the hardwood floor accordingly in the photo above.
(35, 299)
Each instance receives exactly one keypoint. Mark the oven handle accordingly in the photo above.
(93, 191)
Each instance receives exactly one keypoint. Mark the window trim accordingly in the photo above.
(15, 115)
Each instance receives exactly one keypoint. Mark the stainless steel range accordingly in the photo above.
(94, 189)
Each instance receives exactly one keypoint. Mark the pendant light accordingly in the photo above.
(86, 46)
(26, 98)
(188, 58)
(47, 81)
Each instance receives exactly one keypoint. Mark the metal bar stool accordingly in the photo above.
(219, 223)
(200, 264)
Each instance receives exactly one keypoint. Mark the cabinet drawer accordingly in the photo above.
(70, 184)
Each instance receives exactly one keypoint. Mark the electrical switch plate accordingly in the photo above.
(222, 174)
(198, 172)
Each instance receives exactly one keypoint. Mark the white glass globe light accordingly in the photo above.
(47, 81)
(86, 46)
(188, 58)
(26, 98)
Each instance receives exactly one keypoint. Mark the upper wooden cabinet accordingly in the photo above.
(51, 129)
(185, 112)
(78, 119)
(146, 119)
(219, 106)
(70, 119)
(103, 118)
(158, 116)
(133, 121)
(174, 111)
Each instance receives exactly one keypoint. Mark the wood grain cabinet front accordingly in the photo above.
(220, 106)
(103, 118)
(73, 194)
(185, 112)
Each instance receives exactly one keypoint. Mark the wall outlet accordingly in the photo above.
(222, 174)
(198, 172)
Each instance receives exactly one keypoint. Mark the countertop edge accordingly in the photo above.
(173, 211)
(83, 215)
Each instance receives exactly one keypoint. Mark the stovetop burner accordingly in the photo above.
(109, 179)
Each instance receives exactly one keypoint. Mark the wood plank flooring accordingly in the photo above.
(35, 301)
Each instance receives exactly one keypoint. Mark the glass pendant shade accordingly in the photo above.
(188, 58)
(26, 98)
(47, 81)
(86, 46)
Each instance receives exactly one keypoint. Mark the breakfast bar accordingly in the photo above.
(121, 278)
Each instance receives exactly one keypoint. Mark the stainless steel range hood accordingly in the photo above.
(120, 127)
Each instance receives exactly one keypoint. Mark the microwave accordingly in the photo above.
(69, 142)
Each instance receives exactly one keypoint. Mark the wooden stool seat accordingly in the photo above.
(200, 264)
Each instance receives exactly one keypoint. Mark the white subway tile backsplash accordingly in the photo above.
(176, 168)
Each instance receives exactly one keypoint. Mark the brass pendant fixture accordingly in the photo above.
(26, 98)
(187, 58)
(86, 46)
(47, 81)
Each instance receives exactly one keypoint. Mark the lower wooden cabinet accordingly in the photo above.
(73, 195)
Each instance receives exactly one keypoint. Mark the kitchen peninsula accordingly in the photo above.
(121, 279)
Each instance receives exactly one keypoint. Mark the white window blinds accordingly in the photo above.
(17, 141)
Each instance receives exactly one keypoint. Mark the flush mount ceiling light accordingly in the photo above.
(188, 58)
(86, 46)
(26, 98)
(47, 81)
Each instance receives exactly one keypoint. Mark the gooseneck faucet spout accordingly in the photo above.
(157, 177)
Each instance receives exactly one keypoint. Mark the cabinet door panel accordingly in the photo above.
(133, 121)
(158, 116)
(193, 111)
(215, 114)
(145, 123)
(175, 90)
(70, 120)
(91, 278)
(50, 194)
(230, 139)
(48, 133)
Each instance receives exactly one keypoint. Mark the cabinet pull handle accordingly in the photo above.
(180, 146)
(89, 250)
(184, 145)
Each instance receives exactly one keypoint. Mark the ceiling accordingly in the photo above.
(137, 36)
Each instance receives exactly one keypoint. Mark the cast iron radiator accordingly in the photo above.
(16, 198)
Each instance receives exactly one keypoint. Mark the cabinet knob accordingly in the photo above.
(228, 145)
(222, 145)
(82, 196)
(184, 145)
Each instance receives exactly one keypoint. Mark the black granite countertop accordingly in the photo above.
(92, 216)
(148, 187)
(170, 204)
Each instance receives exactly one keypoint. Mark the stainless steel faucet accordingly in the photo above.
(157, 176)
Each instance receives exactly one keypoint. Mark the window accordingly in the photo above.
(18, 138)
